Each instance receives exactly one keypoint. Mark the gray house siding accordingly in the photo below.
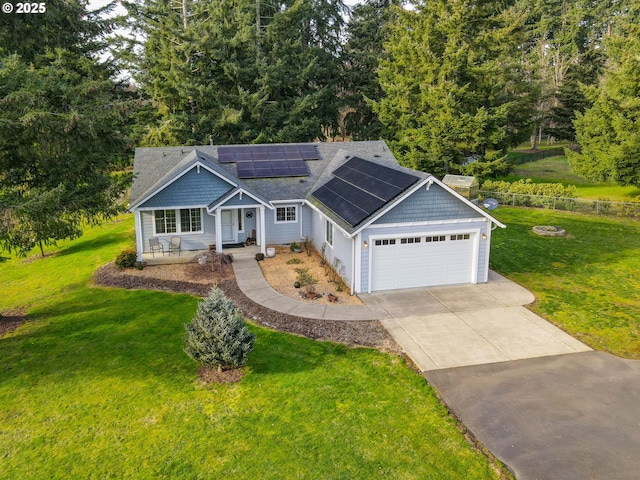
(307, 213)
(342, 247)
(189, 241)
(249, 223)
(481, 224)
(192, 188)
(282, 233)
(428, 205)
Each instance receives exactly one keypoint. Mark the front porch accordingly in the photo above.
(190, 256)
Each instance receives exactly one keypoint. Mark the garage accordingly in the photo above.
(422, 260)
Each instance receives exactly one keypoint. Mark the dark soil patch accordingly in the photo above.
(208, 375)
(10, 321)
(35, 258)
(368, 333)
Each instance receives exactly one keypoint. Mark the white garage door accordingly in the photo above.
(406, 262)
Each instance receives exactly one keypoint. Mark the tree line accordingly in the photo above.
(451, 85)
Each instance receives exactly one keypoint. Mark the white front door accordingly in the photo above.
(229, 232)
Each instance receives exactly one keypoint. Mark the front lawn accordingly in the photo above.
(588, 282)
(96, 385)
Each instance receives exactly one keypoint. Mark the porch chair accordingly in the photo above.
(156, 246)
(174, 246)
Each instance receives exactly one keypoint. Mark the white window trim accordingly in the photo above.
(328, 226)
(178, 223)
(275, 214)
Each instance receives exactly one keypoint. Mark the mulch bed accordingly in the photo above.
(207, 375)
(354, 333)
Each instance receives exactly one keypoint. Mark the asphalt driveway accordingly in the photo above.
(566, 417)
(455, 326)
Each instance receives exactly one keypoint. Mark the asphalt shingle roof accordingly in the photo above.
(156, 167)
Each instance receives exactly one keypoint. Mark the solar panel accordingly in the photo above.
(275, 151)
(298, 168)
(291, 155)
(394, 177)
(280, 169)
(346, 210)
(308, 152)
(243, 154)
(264, 161)
(359, 188)
(226, 154)
(246, 170)
(376, 186)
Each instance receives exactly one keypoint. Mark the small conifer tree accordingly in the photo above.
(217, 336)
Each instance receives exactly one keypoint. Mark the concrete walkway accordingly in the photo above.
(253, 284)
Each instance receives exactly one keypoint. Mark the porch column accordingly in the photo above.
(261, 231)
(137, 221)
(218, 230)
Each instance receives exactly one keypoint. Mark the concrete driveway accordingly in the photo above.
(454, 326)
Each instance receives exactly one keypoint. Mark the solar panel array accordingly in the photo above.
(264, 161)
(360, 188)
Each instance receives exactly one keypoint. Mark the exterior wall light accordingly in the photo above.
(484, 236)
(365, 244)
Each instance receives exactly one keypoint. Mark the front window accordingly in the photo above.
(329, 233)
(190, 220)
(165, 221)
(286, 214)
(185, 220)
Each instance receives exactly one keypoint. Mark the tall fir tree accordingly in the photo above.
(455, 90)
(240, 71)
(608, 131)
(64, 121)
(367, 33)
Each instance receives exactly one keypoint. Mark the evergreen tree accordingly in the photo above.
(66, 24)
(240, 71)
(455, 89)
(217, 336)
(608, 131)
(64, 122)
(362, 53)
(61, 131)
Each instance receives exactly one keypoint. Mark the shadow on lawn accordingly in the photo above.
(131, 335)
(88, 245)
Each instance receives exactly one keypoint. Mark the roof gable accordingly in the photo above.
(196, 186)
(428, 205)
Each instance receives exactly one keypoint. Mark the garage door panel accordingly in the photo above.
(421, 261)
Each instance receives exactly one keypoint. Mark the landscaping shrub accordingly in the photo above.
(218, 336)
(304, 277)
(294, 261)
(527, 187)
(530, 194)
(127, 258)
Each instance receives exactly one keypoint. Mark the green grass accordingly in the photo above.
(556, 170)
(588, 282)
(96, 385)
